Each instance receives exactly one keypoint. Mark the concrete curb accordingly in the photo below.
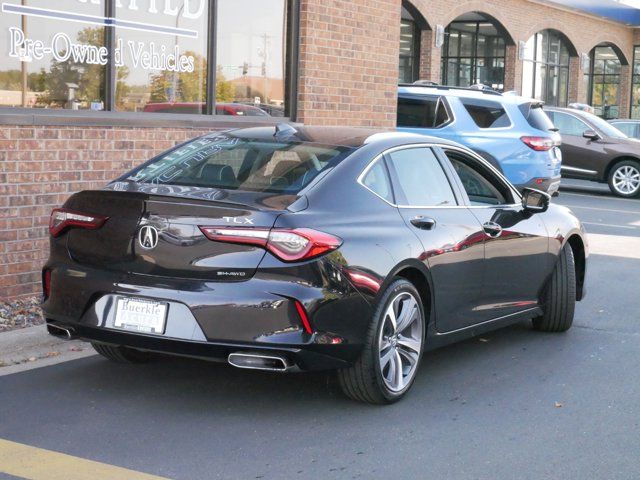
(33, 347)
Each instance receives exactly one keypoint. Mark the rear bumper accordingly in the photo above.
(303, 358)
(551, 185)
(213, 319)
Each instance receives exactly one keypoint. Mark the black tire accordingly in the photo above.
(120, 354)
(632, 167)
(363, 381)
(559, 296)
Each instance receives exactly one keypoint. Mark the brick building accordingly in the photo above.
(94, 87)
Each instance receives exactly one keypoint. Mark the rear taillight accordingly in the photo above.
(539, 144)
(46, 283)
(288, 245)
(62, 218)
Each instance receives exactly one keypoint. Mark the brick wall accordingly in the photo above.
(348, 69)
(41, 166)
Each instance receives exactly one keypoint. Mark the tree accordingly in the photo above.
(89, 78)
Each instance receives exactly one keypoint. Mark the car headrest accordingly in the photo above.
(284, 168)
(218, 174)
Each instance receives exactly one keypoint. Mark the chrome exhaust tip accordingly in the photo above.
(59, 331)
(271, 362)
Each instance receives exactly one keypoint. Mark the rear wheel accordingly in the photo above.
(624, 178)
(121, 354)
(393, 347)
(559, 296)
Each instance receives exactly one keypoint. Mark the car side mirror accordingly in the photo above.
(591, 135)
(535, 201)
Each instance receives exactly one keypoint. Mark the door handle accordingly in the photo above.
(423, 223)
(492, 229)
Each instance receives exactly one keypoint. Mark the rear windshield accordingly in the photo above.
(241, 164)
(536, 117)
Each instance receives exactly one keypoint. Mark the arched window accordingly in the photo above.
(604, 81)
(545, 74)
(473, 52)
(411, 26)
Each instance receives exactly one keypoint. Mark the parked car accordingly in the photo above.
(630, 127)
(593, 149)
(285, 249)
(511, 132)
(237, 109)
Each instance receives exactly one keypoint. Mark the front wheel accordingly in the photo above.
(624, 178)
(393, 347)
(559, 296)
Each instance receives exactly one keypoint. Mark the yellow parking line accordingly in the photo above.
(33, 463)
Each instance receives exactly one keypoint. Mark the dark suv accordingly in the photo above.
(593, 149)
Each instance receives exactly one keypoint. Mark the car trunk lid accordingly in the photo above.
(157, 232)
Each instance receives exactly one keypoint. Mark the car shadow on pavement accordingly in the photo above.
(171, 383)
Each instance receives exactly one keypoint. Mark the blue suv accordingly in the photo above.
(511, 132)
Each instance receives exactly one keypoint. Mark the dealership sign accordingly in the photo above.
(144, 55)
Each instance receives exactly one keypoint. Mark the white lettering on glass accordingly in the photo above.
(62, 48)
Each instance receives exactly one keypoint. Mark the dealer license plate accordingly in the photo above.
(140, 315)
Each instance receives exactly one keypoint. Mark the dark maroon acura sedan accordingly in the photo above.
(292, 249)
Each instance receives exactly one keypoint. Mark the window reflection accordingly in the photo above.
(546, 68)
(250, 56)
(474, 54)
(163, 72)
(604, 94)
(52, 63)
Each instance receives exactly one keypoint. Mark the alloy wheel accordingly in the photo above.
(626, 180)
(400, 341)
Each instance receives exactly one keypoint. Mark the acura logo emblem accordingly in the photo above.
(148, 237)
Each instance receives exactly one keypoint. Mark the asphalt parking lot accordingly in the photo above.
(512, 404)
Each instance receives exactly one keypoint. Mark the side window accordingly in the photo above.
(419, 178)
(482, 186)
(569, 125)
(629, 129)
(485, 113)
(377, 181)
(421, 112)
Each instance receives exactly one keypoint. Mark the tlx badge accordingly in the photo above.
(238, 220)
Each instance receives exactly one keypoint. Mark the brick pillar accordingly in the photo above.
(348, 69)
(625, 91)
(511, 67)
(426, 51)
(577, 89)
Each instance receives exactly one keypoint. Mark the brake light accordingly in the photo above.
(62, 218)
(539, 144)
(46, 283)
(288, 245)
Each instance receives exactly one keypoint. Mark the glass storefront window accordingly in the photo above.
(545, 73)
(50, 61)
(604, 77)
(635, 84)
(473, 53)
(410, 35)
(408, 61)
(163, 70)
(250, 57)
(148, 56)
